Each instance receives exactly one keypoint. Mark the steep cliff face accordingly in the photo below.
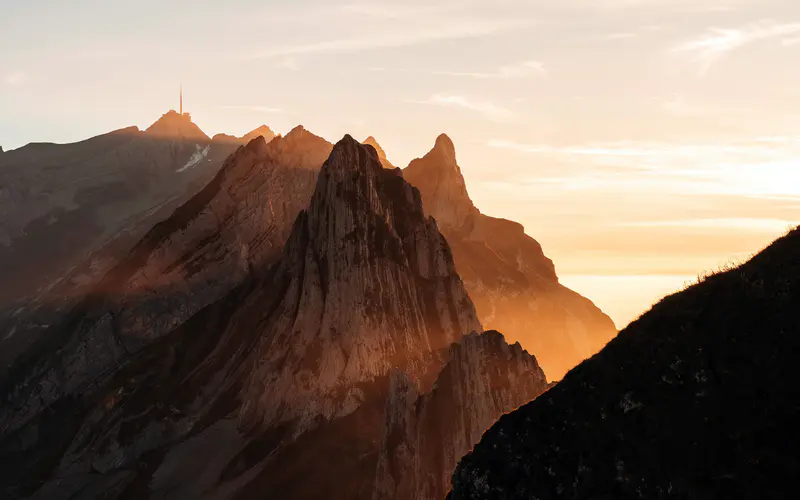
(370, 285)
(237, 223)
(426, 434)
(512, 283)
(282, 378)
(696, 399)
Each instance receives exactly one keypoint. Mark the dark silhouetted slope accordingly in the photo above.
(697, 399)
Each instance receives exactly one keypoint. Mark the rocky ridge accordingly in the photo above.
(287, 367)
(513, 284)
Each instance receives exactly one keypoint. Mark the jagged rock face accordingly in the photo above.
(257, 390)
(370, 141)
(238, 223)
(512, 283)
(370, 285)
(696, 399)
(425, 435)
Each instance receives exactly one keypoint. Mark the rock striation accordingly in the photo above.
(696, 399)
(369, 284)
(238, 223)
(425, 435)
(208, 366)
(513, 284)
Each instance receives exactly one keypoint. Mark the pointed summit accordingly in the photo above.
(262, 131)
(509, 278)
(370, 141)
(173, 125)
(444, 146)
(371, 280)
(439, 179)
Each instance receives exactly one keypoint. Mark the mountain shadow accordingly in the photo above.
(281, 369)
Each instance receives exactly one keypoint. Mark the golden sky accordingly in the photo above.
(642, 142)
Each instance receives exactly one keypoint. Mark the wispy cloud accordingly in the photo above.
(398, 10)
(677, 105)
(16, 78)
(615, 36)
(768, 225)
(488, 109)
(788, 42)
(450, 30)
(260, 109)
(288, 63)
(522, 70)
(717, 43)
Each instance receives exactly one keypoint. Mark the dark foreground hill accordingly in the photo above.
(698, 399)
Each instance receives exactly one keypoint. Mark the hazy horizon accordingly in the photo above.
(642, 143)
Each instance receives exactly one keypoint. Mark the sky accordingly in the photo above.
(642, 142)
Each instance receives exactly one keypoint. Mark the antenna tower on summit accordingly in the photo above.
(181, 99)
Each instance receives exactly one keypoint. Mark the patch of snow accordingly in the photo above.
(196, 158)
(10, 333)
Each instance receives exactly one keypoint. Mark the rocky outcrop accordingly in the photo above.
(257, 390)
(696, 399)
(512, 283)
(370, 284)
(238, 223)
(370, 141)
(426, 434)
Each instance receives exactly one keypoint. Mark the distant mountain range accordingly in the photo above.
(209, 362)
(281, 317)
(229, 314)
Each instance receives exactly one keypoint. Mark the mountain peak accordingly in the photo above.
(175, 125)
(262, 131)
(444, 145)
(439, 179)
(371, 141)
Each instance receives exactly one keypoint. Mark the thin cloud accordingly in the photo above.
(717, 43)
(522, 70)
(397, 11)
(260, 109)
(677, 105)
(769, 225)
(488, 109)
(16, 78)
(453, 30)
(788, 42)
